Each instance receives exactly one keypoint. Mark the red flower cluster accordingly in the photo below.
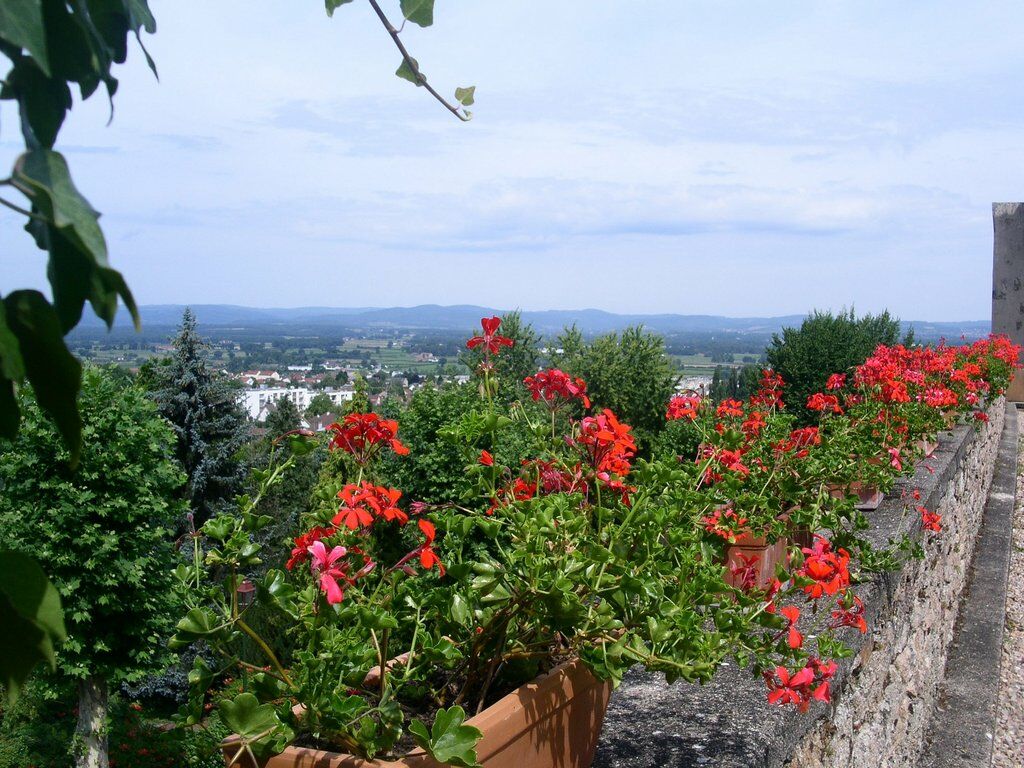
(825, 567)
(849, 613)
(683, 407)
(730, 408)
(362, 504)
(799, 442)
(724, 523)
(606, 443)
(836, 381)
(489, 339)
(930, 520)
(799, 688)
(364, 434)
(820, 401)
(769, 393)
(556, 388)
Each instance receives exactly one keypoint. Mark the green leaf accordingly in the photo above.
(53, 371)
(449, 741)
(257, 725)
(465, 96)
(76, 278)
(333, 5)
(43, 177)
(419, 11)
(11, 365)
(411, 73)
(21, 23)
(31, 617)
(139, 18)
(42, 101)
(199, 623)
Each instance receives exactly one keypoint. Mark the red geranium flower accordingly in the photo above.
(364, 434)
(850, 613)
(428, 557)
(683, 407)
(930, 520)
(792, 614)
(556, 388)
(825, 567)
(490, 340)
(819, 401)
(361, 504)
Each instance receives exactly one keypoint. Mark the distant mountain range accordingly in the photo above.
(466, 317)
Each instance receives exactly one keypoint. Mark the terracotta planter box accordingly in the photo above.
(868, 496)
(552, 722)
(767, 555)
(927, 447)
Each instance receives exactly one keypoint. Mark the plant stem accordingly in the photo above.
(266, 651)
(421, 80)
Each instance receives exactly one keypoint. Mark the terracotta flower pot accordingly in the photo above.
(766, 555)
(551, 722)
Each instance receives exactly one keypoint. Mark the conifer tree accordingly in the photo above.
(208, 422)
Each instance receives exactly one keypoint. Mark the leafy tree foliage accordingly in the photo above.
(104, 533)
(319, 404)
(628, 373)
(209, 424)
(824, 344)
(283, 418)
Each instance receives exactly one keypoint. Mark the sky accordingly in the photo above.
(733, 158)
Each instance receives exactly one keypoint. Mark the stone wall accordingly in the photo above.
(882, 714)
(883, 698)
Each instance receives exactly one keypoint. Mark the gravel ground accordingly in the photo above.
(1008, 750)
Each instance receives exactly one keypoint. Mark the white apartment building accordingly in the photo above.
(255, 400)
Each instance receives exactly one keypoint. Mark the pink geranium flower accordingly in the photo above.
(324, 564)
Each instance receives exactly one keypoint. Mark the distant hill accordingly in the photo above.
(160, 317)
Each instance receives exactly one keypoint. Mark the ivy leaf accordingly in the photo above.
(53, 371)
(42, 101)
(43, 177)
(21, 23)
(419, 11)
(449, 741)
(411, 73)
(333, 5)
(141, 18)
(11, 365)
(465, 95)
(76, 278)
(33, 622)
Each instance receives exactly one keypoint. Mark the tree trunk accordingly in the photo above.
(90, 745)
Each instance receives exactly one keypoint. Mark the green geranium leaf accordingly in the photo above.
(198, 623)
(465, 96)
(33, 622)
(333, 5)
(21, 23)
(53, 371)
(449, 741)
(256, 725)
(419, 11)
(407, 72)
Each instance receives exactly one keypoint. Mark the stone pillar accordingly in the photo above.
(1008, 280)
